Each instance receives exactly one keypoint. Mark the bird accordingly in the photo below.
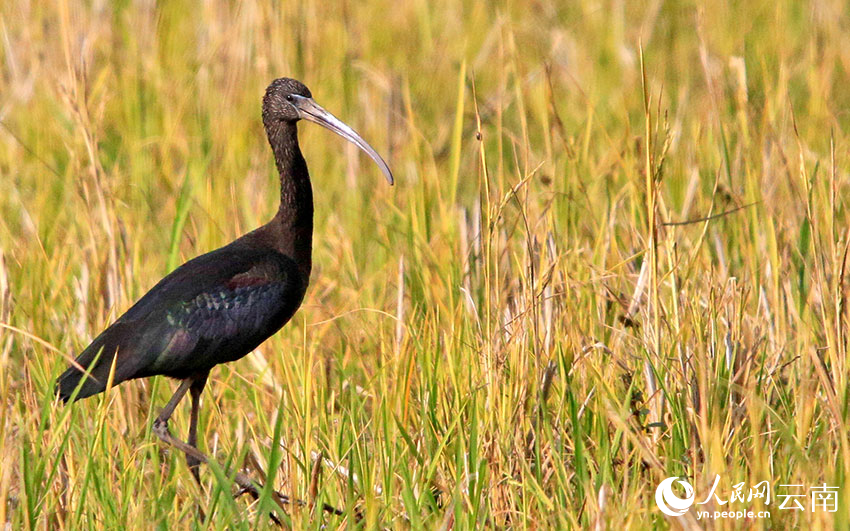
(218, 307)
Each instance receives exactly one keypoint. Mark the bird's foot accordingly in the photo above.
(255, 494)
(283, 500)
(246, 485)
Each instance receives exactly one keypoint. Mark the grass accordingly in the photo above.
(522, 332)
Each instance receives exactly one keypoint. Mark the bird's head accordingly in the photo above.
(289, 100)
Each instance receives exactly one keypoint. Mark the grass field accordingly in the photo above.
(616, 252)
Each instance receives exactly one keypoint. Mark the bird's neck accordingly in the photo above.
(292, 226)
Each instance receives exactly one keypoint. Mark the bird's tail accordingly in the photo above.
(96, 360)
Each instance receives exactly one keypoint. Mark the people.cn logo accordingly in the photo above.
(669, 503)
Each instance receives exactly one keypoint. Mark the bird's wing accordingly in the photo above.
(207, 273)
(224, 323)
(214, 308)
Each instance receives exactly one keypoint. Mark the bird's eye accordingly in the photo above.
(289, 97)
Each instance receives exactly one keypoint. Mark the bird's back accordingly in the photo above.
(213, 309)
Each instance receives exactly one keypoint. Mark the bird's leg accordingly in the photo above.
(168, 410)
(196, 457)
(195, 392)
(160, 425)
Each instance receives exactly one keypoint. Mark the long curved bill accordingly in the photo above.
(313, 112)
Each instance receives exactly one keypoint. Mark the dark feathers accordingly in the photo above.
(213, 309)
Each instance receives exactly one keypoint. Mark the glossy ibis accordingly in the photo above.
(219, 306)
